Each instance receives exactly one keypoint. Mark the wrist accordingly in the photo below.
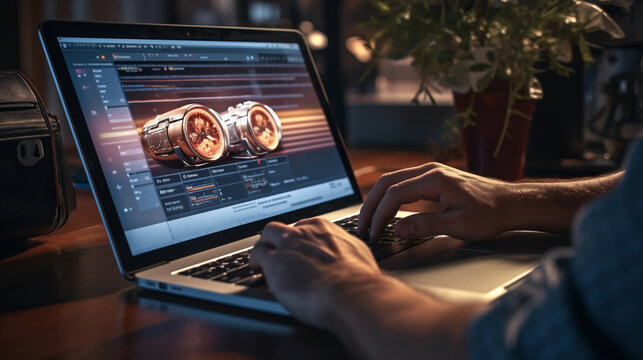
(381, 317)
(339, 296)
(511, 207)
(357, 315)
(540, 206)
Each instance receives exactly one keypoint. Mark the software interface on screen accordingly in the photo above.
(196, 137)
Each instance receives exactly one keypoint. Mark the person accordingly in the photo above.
(583, 302)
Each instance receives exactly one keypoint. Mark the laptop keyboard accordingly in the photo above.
(235, 268)
(387, 244)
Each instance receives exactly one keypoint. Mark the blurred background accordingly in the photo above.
(580, 128)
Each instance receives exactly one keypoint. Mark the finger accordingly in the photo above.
(377, 192)
(260, 255)
(422, 225)
(309, 221)
(427, 186)
(327, 225)
(319, 223)
(276, 234)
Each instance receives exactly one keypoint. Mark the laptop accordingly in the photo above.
(193, 138)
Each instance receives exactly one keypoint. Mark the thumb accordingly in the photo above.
(421, 225)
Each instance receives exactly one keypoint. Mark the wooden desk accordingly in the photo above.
(61, 295)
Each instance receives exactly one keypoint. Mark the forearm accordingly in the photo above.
(382, 318)
(552, 205)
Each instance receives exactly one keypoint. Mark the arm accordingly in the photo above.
(329, 279)
(551, 204)
(474, 207)
(581, 303)
(386, 319)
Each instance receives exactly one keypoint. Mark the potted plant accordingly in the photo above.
(488, 53)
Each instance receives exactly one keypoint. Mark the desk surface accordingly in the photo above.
(61, 295)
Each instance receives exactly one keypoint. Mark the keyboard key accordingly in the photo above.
(206, 274)
(195, 270)
(252, 281)
(218, 270)
(390, 250)
(240, 273)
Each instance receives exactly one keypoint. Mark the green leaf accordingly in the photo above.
(381, 6)
(479, 67)
(376, 36)
(584, 50)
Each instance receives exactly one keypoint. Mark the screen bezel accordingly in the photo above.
(129, 264)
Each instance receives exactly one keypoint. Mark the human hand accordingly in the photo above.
(307, 265)
(472, 207)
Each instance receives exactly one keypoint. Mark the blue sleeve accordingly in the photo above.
(586, 303)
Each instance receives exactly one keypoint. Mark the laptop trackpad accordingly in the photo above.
(471, 274)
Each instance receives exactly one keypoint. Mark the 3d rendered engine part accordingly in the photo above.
(193, 134)
(254, 129)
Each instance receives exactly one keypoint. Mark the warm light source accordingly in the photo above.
(317, 40)
(357, 47)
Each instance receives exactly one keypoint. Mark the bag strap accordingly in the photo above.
(54, 153)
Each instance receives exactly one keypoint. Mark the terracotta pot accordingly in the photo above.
(480, 140)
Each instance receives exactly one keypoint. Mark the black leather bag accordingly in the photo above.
(37, 194)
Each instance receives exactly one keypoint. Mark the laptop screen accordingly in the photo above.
(195, 137)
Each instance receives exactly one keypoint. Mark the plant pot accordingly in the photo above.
(480, 139)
